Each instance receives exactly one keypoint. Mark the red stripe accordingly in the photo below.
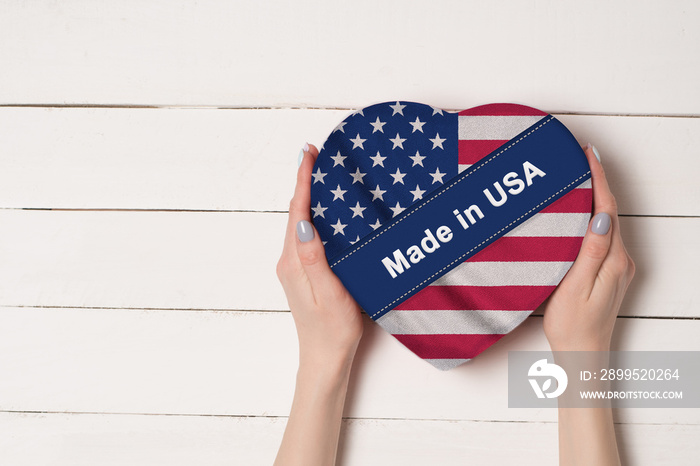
(447, 346)
(471, 298)
(502, 109)
(530, 249)
(573, 202)
(471, 151)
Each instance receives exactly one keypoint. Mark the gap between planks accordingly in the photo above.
(310, 107)
(345, 418)
(88, 209)
(264, 311)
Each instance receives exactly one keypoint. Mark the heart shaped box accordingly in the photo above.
(448, 228)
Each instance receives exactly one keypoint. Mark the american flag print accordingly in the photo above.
(382, 159)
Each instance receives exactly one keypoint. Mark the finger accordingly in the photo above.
(312, 150)
(617, 265)
(603, 199)
(299, 207)
(597, 242)
(312, 257)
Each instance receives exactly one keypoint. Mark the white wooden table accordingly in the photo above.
(147, 154)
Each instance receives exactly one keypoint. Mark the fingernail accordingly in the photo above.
(306, 147)
(595, 151)
(305, 231)
(300, 158)
(601, 223)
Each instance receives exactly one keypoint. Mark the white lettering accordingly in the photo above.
(531, 171)
(397, 266)
(494, 202)
(511, 179)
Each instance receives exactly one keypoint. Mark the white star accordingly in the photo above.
(417, 125)
(437, 110)
(378, 126)
(357, 210)
(398, 108)
(377, 194)
(398, 141)
(358, 141)
(340, 127)
(397, 210)
(398, 177)
(378, 159)
(418, 193)
(437, 141)
(356, 240)
(357, 176)
(375, 225)
(359, 111)
(318, 210)
(318, 176)
(338, 228)
(338, 193)
(338, 159)
(437, 176)
(417, 159)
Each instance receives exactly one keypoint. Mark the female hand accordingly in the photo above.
(329, 326)
(580, 316)
(581, 312)
(327, 318)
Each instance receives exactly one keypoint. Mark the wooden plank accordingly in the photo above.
(244, 363)
(206, 260)
(89, 439)
(199, 159)
(637, 57)
(208, 159)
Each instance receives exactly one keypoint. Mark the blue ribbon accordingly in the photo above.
(547, 146)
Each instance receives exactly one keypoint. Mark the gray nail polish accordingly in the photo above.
(305, 231)
(300, 158)
(601, 223)
(595, 152)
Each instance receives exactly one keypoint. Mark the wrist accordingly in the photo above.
(325, 369)
(581, 345)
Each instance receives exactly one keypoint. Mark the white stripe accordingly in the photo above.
(446, 364)
(585, 185)
(461, 167)
(505, 274)
(553, 224)
(495, 126)
(451, 322)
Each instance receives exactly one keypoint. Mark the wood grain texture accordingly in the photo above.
(111, 440)
(597, 56)
(209, 159)
(205, 375)
(244, 364)
(215, 260)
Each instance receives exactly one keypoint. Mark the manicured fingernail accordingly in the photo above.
(601, 223)
(595, 151)
(301, 153)
(305, 231)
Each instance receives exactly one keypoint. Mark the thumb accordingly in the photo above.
(312, 257)
(594, 250)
